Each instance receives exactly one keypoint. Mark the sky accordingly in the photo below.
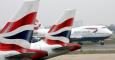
(89, 12)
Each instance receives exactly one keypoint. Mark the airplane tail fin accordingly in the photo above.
(60, 32)
(37, 25)
(19, 29)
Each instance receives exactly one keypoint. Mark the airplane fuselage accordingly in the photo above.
(84, 33)
(90, 33)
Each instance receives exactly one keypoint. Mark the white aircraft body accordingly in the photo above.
(95, 33)
(16, 41)
(56, 42)
(16, 35)
(90, 33)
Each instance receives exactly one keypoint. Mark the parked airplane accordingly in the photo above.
(96, 33)
(17, 33)
(15, 37)
(56, 42)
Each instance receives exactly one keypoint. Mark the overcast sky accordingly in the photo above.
(91, 12)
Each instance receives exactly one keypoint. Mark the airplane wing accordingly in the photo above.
(61, 48)
(68, 47)
(23, 55)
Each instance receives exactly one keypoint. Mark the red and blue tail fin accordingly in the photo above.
(37, 25)
(60, 32)
(19, 30)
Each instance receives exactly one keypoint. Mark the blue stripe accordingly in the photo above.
(89, 38)
(63, 34)
(25, 35)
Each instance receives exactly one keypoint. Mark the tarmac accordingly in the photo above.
(103, 52)
(85, 57)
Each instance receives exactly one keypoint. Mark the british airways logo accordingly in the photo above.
(93, 30)
(60, 34)
(20, 31)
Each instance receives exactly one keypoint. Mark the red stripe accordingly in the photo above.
(38, 53)
(73, 46)
(10, 47)
(28, 19)
(5, 28)
(7, 47)
(53, 42)
(67, 23)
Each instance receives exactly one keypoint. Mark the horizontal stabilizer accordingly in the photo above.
(22, 55)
